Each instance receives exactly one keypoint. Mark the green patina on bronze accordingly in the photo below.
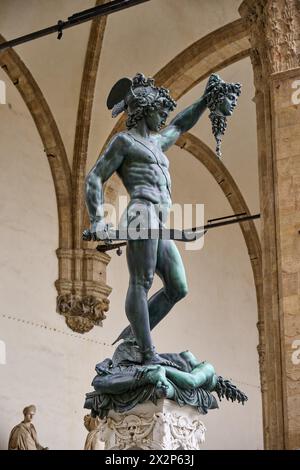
(137, 372)
(123, 382)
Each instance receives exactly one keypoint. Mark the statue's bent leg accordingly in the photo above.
(141, 260)
(170, 269)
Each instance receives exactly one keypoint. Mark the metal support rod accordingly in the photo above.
(226, 217)
(228, 222)
(73, 20)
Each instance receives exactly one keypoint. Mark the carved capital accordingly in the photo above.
(273, 32)
(82, 313)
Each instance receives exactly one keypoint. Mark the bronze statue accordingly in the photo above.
(24, 435)
(137, 155)
(122, 382)
(136, 372)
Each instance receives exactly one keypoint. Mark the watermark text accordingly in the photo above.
(2, 92)
(296, 93)
(2, 352)
(296, 353)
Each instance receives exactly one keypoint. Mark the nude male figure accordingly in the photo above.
(138, 157)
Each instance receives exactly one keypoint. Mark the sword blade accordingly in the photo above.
(156, 234)
(188, 235)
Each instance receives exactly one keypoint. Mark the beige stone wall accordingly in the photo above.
(46, 362)
(287, 112)
(273, 33)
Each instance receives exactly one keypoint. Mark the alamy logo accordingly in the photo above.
(2, 92)
(296, 94)
(296, 354)
(2, 353)
(142, 220)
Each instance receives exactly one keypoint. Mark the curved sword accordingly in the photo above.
(188, 235)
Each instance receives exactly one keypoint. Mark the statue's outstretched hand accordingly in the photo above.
(98, 231)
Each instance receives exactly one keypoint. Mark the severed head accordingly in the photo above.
(221, 98)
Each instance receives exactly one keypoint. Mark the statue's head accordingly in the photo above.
(29, 412)
(221, 96)
(221, 99)
(141, 99)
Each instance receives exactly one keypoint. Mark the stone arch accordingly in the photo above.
(211, 53)
(79, 286)
(222, 176)
(199, 150)
(50, 136)
(83, 124)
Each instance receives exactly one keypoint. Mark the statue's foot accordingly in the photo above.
(151, 357)
(157, 376)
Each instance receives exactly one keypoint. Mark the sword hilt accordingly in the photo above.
(113, 246)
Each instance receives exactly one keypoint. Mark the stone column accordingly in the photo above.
(165, 426)
(274, 32)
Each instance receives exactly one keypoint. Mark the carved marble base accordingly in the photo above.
(165, 426)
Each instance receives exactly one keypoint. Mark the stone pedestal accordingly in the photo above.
(165, 426)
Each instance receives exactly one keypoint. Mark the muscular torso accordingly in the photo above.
(145, 171)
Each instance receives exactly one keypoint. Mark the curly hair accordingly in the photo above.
(144, 98)
(215, 93)
(217, 90)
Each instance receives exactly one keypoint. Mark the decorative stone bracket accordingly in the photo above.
(82, 290)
